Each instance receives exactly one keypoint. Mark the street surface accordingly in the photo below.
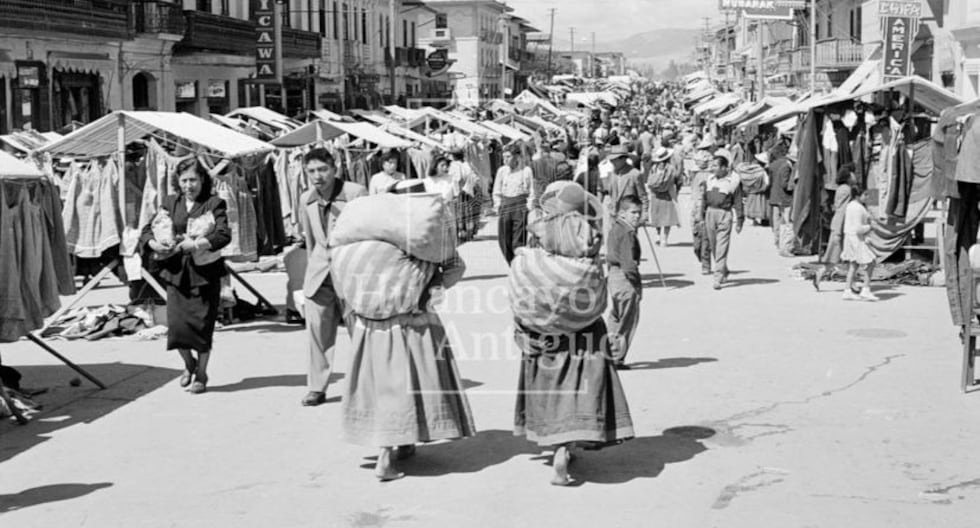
(765, 404)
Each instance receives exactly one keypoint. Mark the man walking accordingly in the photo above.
(781, 190)
(723, 207)
(324, 202)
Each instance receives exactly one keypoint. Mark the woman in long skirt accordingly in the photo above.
(663, 184)
(403, 386)
(192, 270)
(569, 394)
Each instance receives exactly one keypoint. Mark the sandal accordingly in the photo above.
(200, 386)
(187, 376)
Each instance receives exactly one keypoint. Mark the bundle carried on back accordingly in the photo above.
(377, 280)
(419, 224)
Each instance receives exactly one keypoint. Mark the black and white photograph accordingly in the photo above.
(488, 263)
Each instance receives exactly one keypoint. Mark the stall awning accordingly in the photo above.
(453, 121)
(266, 117)
(327, 115)
(927, 94)
(411, 135)
(320, 130)
(719, 102)
(506, 131)
(99, 137)
(29, 140)
(11, 167)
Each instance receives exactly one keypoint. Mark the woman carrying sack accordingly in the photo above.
(186, 238)
(663, 184)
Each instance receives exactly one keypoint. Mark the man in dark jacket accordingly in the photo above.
(781, 189)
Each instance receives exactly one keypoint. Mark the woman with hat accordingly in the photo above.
(663, 184)
(569, 393)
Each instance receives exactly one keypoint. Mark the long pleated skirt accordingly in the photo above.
(569, 390)
(191, 316)
(403, 386)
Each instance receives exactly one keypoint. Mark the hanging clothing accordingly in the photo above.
(93, 220)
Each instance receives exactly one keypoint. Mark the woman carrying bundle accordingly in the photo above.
(569, 393)
(403, 386)
(185, 237)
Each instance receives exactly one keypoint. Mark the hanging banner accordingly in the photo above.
(897, 59)
(771, 9)
(265, 42)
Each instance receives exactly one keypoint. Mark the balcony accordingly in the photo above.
(409, 57)
(95, 18)
(839, 54)
(156, 16)
(208, 32)
(800, 59)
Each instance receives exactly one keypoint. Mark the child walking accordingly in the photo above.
(857, 252)
(625, 287)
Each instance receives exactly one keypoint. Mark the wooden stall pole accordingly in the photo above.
(121, 153)
(40, 342)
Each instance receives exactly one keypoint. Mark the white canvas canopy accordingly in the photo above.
(265, 116)
(507, 131)
(110, 133)
(320, 130)
(11, 167)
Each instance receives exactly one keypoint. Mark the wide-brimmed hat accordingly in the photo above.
(617, 151)
(706, 143)
(661, 154)
(724, 153)
(763, 158)
(565, 196)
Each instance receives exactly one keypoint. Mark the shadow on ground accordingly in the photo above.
(65, 406)
(667, 363)
(45, 494)
(735, 283)
(643, 457)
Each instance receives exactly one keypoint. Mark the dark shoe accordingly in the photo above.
(717, 285)
(200, 386)
(314, 398)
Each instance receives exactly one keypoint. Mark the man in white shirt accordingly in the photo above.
(513, 196)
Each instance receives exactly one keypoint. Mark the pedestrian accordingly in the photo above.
(857, 251)
(835, 243)
(323, 202)
(663, 184)
(389, 174)
(699, 181)
(191, 267)
(723, 209)
(569, 393)
(514, 195)
(625, 179)
(625, 286)
(403, 386)
(781, 189)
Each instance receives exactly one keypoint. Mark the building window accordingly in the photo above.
(204, 5)
(224, 7)
(858, 18)
(404, 33)
(345, 21)
(364, 31)
(830, 24)
(323, 18)
(285, 15)
(413, 35)
(381, 30)
(335, 15)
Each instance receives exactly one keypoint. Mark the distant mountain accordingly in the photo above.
(656, 47)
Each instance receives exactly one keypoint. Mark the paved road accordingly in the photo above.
(764, 404)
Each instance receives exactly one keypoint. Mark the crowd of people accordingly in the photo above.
(574, 201)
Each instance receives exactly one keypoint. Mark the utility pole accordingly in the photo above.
(551, 42)
(592, 59)
(502, 27)
(391, 45)
(813, 47)
(761, 74)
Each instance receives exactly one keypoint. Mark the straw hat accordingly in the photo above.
(763, 158)
(661, 154)
(618, 151)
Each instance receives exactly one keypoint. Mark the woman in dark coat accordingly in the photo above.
(192, 270)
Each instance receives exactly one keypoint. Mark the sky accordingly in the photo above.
(612, 19)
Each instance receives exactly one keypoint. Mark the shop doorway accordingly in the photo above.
(144, 91)
(77, 98)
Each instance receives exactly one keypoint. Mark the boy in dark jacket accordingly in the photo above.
(625, 288)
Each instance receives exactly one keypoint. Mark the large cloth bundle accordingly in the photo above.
(377, 280)
(418, 224)
(567, 234)
(553, 294)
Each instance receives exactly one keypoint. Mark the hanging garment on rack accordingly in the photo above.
(421, 160)
(271, 233)
(357, 167)
(231, 188)
(93, 222)
(29, 276)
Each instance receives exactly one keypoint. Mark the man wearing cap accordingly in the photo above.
(625, 179)
(781, 189)
(722, 199)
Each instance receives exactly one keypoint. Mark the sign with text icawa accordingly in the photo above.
(265, 42)
(897, 60)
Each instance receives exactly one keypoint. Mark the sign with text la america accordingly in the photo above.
(771, 9)
(897, 60)
(265, 42)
